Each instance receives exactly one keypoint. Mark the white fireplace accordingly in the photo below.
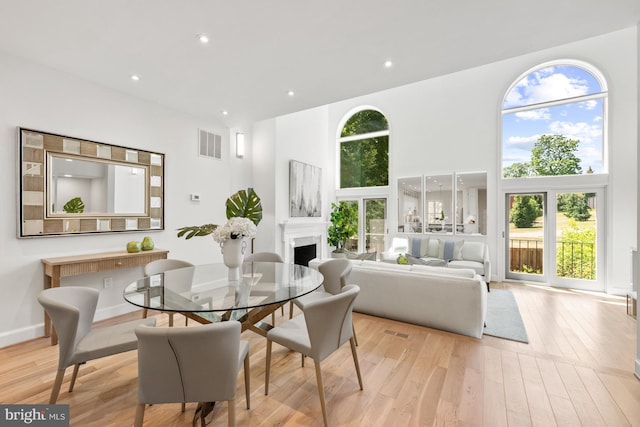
(296, 234)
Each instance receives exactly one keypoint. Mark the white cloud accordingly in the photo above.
(581, 131)
(545, 85)
(588, 105)
(539, 114)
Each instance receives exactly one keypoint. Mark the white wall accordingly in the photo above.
(45, 99)
(452, 124)
(637, 364)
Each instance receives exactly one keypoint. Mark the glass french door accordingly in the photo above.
(372, 225)
(525, 236)
(552, 237)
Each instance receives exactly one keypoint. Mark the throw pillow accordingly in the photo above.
(473, 251)
(435, 248)
(418, 246)
(411, 260)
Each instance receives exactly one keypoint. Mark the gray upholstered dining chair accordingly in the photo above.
(325, 325)
(197, 364)
(336, 275)
(71, 309)
(266, 257)
(160, 266)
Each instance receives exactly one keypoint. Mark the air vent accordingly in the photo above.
(210, 145)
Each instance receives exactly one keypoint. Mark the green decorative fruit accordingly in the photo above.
(133, 247)
(147, 243)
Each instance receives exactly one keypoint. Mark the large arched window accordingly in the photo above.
(554, 166)
(553, 122)
(364, 150)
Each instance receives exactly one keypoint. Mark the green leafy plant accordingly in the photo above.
(75, 205)
(241, 204)
(344, 224)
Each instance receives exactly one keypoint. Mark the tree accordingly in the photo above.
(555, 155)
(517, 170)
(364, 162)
(344, 223)
(524, 211)
(575, 205)
(575, 253)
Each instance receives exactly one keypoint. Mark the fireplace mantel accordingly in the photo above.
(299, 233)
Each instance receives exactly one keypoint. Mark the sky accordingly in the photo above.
(578, 119)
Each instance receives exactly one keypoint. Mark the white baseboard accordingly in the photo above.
(20, 335)
(114, 310)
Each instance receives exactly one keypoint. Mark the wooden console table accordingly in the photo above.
(56, 268)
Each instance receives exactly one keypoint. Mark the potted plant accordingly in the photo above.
(344, 225)
(242, 204)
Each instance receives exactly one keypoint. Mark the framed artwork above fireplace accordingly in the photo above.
(305, 195)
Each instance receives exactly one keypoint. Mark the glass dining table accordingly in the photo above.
(205, 293)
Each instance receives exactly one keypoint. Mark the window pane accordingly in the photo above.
(526, 233)
(576, 236)
(375, 213)
(523, 131)
(551, 84)
(365, 121)
(364, 162)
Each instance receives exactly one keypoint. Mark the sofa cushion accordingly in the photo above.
(445, 271)
(383, 266)
(478, 267)
(452, 249)
(425, 261)
(473, 251)
(418, 246)
(435, 248)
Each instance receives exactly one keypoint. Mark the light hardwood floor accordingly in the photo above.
(576, 370)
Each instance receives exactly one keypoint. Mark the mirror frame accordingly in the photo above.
(33, 219)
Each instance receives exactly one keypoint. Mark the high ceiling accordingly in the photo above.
(324, 51)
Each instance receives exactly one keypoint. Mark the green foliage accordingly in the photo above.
(344, 223)
(517, 170)
(75, 205)
(245, 204)
(575, 206)
(365, 121)
(576, 252)
(364, 162)
(551, 155)
(524, 211)
(242, 204)
(555, 155)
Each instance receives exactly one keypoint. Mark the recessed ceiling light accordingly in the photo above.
(203, 38)
(225, 112)
(291, 93)
(135, 77)
(388, 64)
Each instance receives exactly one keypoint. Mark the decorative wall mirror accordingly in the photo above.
(471, 202)
(438, 195)
(410, 205)
(72, 186)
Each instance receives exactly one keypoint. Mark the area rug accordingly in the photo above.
(503, 316)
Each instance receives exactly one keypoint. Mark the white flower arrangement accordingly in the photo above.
(235, 228)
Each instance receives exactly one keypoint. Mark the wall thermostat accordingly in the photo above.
(195, 197)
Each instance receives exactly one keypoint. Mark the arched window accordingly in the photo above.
(553, 122)
(364, 150)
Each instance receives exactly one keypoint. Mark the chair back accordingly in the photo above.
(161, 265)
(71, 309)
(336, 274)
(197, 364)
(329, 321)
(264, 257)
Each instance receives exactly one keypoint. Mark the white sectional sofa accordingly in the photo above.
(437, 251)
(453, 300)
